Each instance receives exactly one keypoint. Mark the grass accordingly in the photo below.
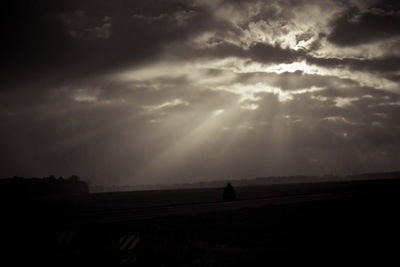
(359, 229)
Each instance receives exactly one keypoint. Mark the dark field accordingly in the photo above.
(324, 224)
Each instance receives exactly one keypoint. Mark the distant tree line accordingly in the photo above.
(22, 187)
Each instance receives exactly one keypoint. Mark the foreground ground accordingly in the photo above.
(332, 224)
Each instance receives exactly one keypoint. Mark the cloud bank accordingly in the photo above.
(154, 91)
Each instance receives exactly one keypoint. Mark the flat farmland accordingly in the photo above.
(325, 224)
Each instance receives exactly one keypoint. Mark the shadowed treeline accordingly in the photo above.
(46, 186)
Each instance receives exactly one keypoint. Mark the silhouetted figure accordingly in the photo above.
(229, 192)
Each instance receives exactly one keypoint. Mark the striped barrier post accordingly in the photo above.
(127, 245)
(66, 245)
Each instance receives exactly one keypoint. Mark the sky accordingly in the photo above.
(160, 92)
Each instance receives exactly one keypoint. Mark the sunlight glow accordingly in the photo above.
(344, 101)
(248, 92)
(340, 119)
(218, 112)
(173, 103)
(190, 141)
(86, 95)
(292, 67)
(251, 106)
(239, 65)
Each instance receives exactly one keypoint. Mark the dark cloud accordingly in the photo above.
(257, 52)
(273, 54)
(293, 80)
(393, 77)
(68, 39)
(376, 23)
